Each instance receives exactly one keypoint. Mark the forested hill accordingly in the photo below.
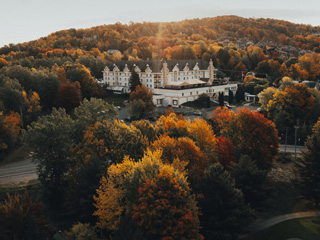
(236, 45)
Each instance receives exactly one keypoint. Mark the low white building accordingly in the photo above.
(172, 82)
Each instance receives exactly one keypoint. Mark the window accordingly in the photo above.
(190, 93)
(175, 102)
(197, 92)
(182, 94)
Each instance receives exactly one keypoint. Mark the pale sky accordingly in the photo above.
(26, 20)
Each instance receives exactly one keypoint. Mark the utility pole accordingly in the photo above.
(285, 146)
(295, 142)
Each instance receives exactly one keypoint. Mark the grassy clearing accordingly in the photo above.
(302, 228)
(117, 99)
(196, 105)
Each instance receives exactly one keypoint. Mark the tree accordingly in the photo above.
(141, 101)
(225, 152)
(79, 73)
(22, 218)
(251, 180)
(134, 80)
(221, 98)
(10, 127)
(81, 231)
(147, 129)
(186, 151)
(91, 111)
(309, 167)
(111, 141)
(230, 97)
(53, 157)
(3, 63)
(295, 102)
(164, 208)
(204, 100)
(250, 132)
(240, 94)
(224, 211)
(68, 96)
(124, 195)
(11, 95)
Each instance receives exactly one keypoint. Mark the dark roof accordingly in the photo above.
(156, 65)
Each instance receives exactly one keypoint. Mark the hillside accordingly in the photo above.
(72, 59)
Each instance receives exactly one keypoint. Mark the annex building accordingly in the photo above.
(172, 82)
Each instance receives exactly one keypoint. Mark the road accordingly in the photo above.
(22, 171)
(278, 219)
(291, 148)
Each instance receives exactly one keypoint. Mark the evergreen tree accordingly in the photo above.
(224, 211)
(309, 167)
(134, 80)
(230, 97)
(221, 98)
(240, 94)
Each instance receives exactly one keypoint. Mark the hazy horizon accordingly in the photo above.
(27, 20)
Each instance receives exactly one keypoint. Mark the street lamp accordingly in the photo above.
(295, 141)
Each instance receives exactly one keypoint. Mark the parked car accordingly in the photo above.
(197, 113)
(118, 107)
(128, 119)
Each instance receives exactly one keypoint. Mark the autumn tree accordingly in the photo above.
(22, 218)
(147, 129)
(32, 106)
(186, 151)
(10, 127)
(91, 111)
(173, 125)
(68, 96)
(250, 132)
(131, 183)
(79, 73)
(291, 106)
(81, 231)
(225, 152)
(111, 141)
(3, 63)
(141, 101)
(164, 209)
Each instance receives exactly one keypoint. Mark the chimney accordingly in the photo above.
(165, 73)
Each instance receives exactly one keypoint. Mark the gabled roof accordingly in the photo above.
(156, 65)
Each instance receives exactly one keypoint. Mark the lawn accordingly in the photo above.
(302, 228)
(116, 99)
(196, 105)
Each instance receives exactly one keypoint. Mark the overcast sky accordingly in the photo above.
(26, 20)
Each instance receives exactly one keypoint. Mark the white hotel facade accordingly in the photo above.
(172, 82)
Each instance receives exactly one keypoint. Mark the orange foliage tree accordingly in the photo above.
(151, 195)
(10, 127)
(164, 209)
(68, 96)
(251, 134)
(141, 101)
(184, 149)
